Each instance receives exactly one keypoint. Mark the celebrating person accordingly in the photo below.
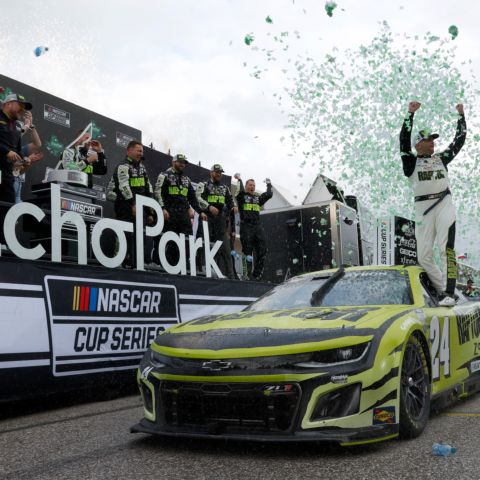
(252, 235)
(434, 209)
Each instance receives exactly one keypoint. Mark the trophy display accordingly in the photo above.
(67, 169)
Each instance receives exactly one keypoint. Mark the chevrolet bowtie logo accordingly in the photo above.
(216, 365)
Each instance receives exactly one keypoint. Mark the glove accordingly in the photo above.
(268, 181)
(236, 176)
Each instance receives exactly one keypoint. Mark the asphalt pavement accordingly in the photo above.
(92, 441)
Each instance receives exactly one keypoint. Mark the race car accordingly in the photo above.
(352, 355)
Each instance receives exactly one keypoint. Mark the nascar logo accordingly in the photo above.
(82, 208)
(97, 299)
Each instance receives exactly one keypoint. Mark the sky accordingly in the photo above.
(176, 68)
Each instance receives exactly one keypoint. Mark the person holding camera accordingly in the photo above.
(87, 155)
(252, 235)
(30, 153)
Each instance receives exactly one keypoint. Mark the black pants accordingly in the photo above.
(254, 243)
(217, 231)
(179, 222)
(123, 211)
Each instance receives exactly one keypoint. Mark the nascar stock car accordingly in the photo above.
(352, 355)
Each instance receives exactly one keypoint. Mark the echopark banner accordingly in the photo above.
(59, 321)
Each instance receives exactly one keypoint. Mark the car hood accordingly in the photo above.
(271, 331)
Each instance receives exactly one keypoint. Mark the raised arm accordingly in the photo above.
(460, 135)
(265, 196)
(408, 158)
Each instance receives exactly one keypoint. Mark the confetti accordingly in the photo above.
(453, 31)
(40, 51)
(249, 39)
(330, 6)
(371, 85)
(269, 19)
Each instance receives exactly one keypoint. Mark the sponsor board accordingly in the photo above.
(103, 325)
(122, 139)
(383, 415)
(56, 115)
(89, 210)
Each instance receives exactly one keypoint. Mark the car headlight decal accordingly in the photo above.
(336, 356)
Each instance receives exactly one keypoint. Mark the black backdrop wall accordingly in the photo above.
(57, 122)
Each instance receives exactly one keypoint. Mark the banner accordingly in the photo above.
(59, 322)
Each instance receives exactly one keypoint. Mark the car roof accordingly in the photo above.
(411, 268)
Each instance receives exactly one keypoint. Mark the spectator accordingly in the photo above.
(87, 155)
(252, 236)
(30, 154)
(470, 290)
(13, 109)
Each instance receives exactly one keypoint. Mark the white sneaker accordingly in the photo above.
(447, 301)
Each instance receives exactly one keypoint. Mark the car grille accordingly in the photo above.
(230, 407)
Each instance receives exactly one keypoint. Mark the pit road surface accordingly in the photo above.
(92, 441)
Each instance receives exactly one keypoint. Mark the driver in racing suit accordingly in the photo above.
(434, 209)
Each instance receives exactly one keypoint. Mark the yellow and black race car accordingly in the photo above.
(352, 355)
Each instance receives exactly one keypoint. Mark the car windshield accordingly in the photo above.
(355, 287)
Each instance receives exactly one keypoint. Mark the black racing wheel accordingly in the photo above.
(414, 390)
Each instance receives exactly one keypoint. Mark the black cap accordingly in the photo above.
(15, 97)
(425, 134)
(217, 168)
(180, 157)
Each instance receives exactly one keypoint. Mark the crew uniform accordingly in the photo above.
(129, 179)
(217, 194)
(434, 209)
(175, 193)
(79, 155)
(252, 235)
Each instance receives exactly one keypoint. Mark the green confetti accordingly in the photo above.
(330, 6)
(453, 31)
(269, 19)
(249, 38)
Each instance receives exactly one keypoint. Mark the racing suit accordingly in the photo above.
(217, 195)
(129, 179)
(434, 209)
(252, 235)
(79, 156)
(175, 193)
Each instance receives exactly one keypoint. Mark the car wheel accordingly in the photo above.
(414, 390)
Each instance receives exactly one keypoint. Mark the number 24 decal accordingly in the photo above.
(440, 338)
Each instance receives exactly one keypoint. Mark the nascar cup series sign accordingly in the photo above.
(98, 325)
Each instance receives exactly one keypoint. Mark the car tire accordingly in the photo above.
(414, 389)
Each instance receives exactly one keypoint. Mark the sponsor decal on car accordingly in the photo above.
(339, 378)
(383, 415)
(475, 366)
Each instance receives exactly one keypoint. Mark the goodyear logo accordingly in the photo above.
(115, 300)
(383, 415)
